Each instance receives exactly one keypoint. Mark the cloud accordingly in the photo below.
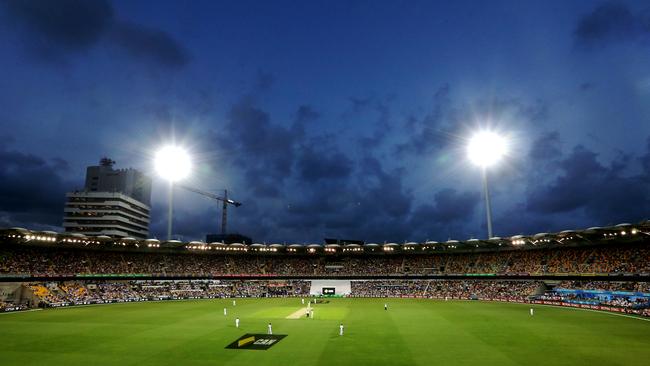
(445, 124)
(517, 220)
(305, 186)
(306, 114)
(372, 204)
(379, 110)
(611, 21)
(150, 44)
(645, 160)
(60, 26)
(604, 194)
(264, 81)
(451, 212)
(262, 150)
(313, 166)
(74, 24)
(546, 147)
(586, 86)
(32, 191)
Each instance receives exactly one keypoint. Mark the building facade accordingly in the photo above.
(131, 182)
(113, 202)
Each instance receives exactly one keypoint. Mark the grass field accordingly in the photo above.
(411, 332)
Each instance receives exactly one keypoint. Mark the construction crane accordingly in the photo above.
(224, 200)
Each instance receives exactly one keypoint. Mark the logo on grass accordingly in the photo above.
(256, 341)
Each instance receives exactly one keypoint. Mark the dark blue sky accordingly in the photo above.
(335, 118)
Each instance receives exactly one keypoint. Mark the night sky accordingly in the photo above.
(344, 119)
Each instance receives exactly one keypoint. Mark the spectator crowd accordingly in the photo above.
(55, 294)
(31, 261)
(448, 289)
(57, 263)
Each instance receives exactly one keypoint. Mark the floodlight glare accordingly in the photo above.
(486, 148)
(173, 163)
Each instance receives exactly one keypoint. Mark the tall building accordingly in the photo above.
(131, 182)
(114, 202)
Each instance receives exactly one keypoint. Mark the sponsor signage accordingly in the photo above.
(256, 341)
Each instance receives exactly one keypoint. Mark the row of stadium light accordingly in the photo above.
(40, 238)
(386, 247)
(619, 231)
(263, 249)
(219, 248)
(622, 233)
(355, 249)
(567, 238)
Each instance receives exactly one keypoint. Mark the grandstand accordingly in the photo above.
(606, 267)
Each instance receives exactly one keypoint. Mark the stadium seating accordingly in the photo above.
(51, 262)
(73, 273)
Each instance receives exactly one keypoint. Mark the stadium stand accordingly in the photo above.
(451, 289)
(60, 270)
(50, 262)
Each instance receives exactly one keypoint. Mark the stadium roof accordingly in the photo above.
(624, 232)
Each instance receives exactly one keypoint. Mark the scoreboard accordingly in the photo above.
(329, 290)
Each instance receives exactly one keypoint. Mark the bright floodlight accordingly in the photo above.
(172, 163)
(486, 148)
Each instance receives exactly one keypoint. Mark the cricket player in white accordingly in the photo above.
(341, 329)
(311, 311)
(270, 329)
(234, 303)
(236, 322)
(532, 312)
(385, 306)
(303, 301)
(225, 311)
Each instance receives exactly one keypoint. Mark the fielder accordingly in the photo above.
(225, 311)
(236, 322)
(270, 331)
(302, 301)
(385, 306)
(341, 329)
(234, 303)
(532, 312)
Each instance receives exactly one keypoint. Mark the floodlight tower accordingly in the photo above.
(485, 149)
(172, 164)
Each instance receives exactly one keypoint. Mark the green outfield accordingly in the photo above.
(411, 332)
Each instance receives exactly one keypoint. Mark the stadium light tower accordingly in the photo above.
(485, 149)
(172, 164)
